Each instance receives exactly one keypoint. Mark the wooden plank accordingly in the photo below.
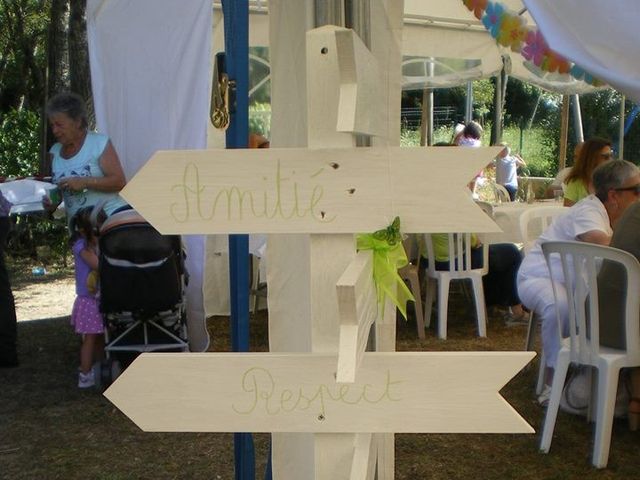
(265, 392)
(317, 190)
(386, 28)
(364, 457)
(361, 105)
(358, 309)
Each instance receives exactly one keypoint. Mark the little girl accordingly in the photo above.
(86, 316)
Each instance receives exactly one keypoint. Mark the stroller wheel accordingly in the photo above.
(111, 369)
(116, 370)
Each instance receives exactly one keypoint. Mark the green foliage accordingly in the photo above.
(537, 148)
(19, 143)
(260, 119)
(600, 114)
(483, 91)
(521, 103)
(39, 237)
(455, 96)
(23, 30)
(259, 70)
(409, 138)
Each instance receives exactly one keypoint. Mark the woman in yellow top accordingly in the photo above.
(593, 152)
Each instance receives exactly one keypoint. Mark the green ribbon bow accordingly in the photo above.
(388, 257)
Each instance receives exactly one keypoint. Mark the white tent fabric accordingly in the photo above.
(151, 81)
(601, 37)
(448, 30)
(442, 30)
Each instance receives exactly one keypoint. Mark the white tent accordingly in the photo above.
(151, 92)
(590, 32)
(441, 25)
(435, 37)
(602, 37)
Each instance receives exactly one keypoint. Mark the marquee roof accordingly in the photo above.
(444, 45)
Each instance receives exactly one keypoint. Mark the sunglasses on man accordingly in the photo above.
(635, 189)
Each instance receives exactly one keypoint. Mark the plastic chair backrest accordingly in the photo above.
(459, 254)
(486, 208)
(580, 264)
(544, 215)
(501, 193)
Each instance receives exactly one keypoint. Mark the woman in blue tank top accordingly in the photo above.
(84, 164)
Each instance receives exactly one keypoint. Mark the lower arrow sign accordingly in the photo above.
(264, 392)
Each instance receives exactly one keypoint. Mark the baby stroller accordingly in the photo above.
(142, 280)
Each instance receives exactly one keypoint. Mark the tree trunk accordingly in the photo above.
(80, 73)
(56, 76)
(57, 52)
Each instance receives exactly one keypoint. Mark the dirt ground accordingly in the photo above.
(52, 430)
(45, 297)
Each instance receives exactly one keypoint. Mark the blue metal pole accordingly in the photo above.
(236, 27)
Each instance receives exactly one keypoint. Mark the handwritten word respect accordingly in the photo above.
(279, 198)
(264, 394)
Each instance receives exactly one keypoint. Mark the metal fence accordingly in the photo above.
(411, 117)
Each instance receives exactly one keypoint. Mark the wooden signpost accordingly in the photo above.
(315, 190)
(339, 392)
(407, 392)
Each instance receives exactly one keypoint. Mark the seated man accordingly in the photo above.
(612, 287)
(590, 220)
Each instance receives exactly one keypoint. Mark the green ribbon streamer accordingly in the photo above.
(388, 257)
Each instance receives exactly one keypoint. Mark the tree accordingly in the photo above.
(79, 73)
(57, 52)
(23, 25)
(67, 60)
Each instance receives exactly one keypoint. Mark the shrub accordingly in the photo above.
(260, 119)
(19, 143)
(40, 238)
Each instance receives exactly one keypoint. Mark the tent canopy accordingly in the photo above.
(443, 44)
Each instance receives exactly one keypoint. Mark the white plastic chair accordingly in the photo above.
(533, 222)
(411, 273)
(580, 266)
(459, 269)
(486, 208)
(501, 193)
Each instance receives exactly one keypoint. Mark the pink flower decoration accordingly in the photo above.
(512, 32)
(535, 47)
(476, 6)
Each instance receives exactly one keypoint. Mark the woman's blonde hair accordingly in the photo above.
(587, 161)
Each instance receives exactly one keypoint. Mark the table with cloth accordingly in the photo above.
(507, 216)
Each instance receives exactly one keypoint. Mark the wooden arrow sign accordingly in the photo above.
(266, 392)
(311, 190)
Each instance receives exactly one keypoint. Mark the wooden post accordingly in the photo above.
(564, 132)
(577, 118)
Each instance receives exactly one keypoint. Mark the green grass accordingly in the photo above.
(536, 149)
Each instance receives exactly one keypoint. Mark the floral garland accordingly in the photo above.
(510, 31)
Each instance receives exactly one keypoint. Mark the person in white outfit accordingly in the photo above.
(617, 185)
(506, 165)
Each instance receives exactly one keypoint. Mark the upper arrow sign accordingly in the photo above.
(266, 392)
(310, 190)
